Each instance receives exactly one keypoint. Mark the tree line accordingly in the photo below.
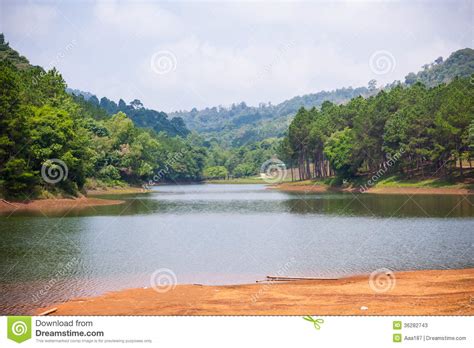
(409, 130)
(41, 125)
(237, 162)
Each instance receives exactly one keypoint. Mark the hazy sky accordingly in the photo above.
(179, 55)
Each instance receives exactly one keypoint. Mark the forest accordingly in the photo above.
(413, 131)
(42, 127)
(405, 128)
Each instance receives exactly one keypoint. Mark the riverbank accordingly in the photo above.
(117, 191)
(60, 203)
(384, 187)
(55, 204)
(435, 292)
(378, 190)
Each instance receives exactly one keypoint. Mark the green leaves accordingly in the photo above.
(429, 126)
(217, 172)
(339, 150)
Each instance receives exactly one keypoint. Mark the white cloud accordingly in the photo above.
(143, 19)
(29, 19)
(235, 51)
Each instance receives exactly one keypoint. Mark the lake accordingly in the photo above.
(226, 234)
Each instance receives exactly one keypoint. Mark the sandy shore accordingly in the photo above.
(55, 204)
(378, 190)
(117, 191)
(438, 292)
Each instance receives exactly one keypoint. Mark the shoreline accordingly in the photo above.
(55, 204)
(318, 188)
(426, 292)
(117, 191)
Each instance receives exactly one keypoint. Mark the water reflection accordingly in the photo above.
(219, 234)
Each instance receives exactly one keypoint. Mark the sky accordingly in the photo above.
(184, 54)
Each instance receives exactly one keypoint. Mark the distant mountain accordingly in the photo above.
(241, 124)
(78, 92)
(459, 64)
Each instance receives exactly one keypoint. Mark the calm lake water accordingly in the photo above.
(222, 234)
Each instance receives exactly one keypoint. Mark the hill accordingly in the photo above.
(56, 144)
(7, 53)
(141, 116)
(241, 124)
(458, 64)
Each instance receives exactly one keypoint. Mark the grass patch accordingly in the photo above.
(312, 182)
(395, 181)
(249, 180)
(390, 181)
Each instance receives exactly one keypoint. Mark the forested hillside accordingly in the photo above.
(459, 64)
(412, 131)
(52, 142)
(141, 116)
(241, 124)
(409, 129)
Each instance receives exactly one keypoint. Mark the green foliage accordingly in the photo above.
(339, 149)
(240, 124)
(141, 116)
(242, 161)
(17, 178)
(217, 172)
(243, 170)
(424, 129)
(412, 130)
(471, 135)
(41, 123)
(8, 54)
(109, 173)
(459, 64)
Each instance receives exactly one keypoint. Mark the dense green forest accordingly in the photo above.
(404, 128)
(413, 131)
(238, 162)
(44, 131)
(141, 116)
